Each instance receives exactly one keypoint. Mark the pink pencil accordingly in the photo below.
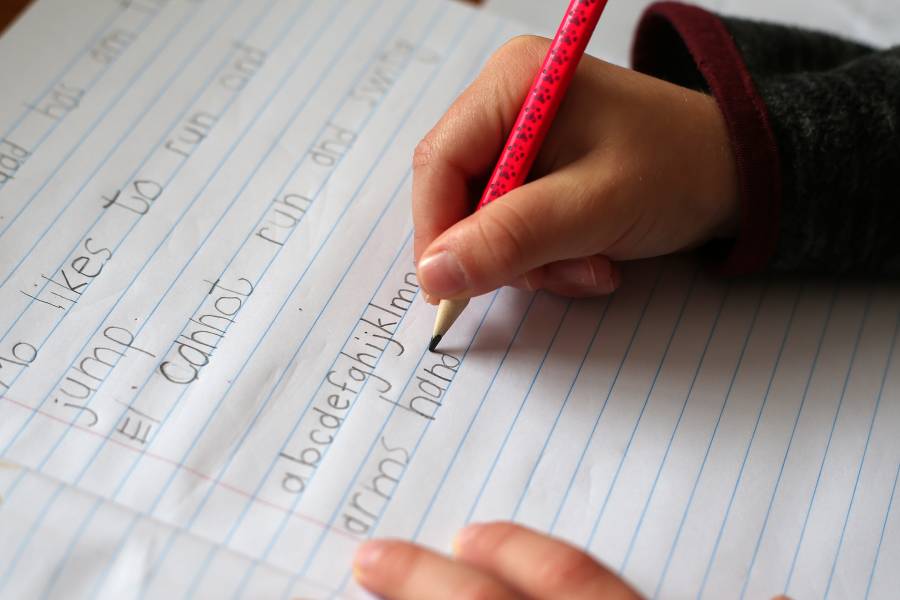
(533, 123)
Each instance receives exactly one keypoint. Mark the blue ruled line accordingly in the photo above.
(887, 514)
(515, 419)
(684, 404)
(837, 414)
(562, 407)
(862, 460)
(609, 391)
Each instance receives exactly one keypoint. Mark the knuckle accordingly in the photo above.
(514, 64)
(589, 205)
(568, 569)
(424, 152)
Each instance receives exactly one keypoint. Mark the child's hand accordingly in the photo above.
(497, 561)
(633, 167)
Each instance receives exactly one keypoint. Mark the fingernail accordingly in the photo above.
(442, 275)
(367, 557)
(466, 536)
(615, 279)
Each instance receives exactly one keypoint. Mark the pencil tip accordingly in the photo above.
(434, 343)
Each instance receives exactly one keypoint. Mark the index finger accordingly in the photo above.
(466, 142)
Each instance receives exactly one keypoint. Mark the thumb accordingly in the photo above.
(543, 222)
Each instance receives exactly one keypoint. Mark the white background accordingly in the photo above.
(873, 21)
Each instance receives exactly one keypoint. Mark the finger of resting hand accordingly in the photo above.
(537, 565)
(400, 571)
(465, 143)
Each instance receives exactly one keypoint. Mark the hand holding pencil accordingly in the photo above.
(632, 167)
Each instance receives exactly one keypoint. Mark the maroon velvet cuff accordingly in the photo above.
(717, 59)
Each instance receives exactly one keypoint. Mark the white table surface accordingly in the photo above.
(873, 21)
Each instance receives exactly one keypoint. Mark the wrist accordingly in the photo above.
(723, 193)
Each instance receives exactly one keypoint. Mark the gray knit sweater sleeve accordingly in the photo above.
(834, 108)
(814, 122)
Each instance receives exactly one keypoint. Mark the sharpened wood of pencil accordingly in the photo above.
(448, 312)
(533, 123)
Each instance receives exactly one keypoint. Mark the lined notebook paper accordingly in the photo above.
(212, 346)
